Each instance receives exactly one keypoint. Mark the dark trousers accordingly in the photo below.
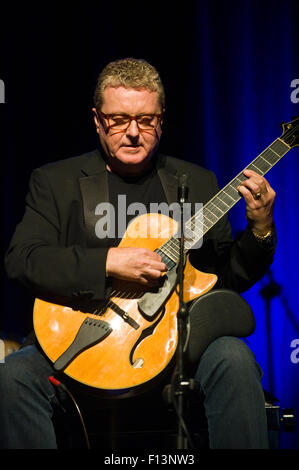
(229, 380)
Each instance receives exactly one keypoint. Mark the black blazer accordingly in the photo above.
(55, 251)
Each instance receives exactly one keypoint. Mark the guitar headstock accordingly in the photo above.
(290, 133)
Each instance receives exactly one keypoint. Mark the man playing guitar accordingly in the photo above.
(57, 253)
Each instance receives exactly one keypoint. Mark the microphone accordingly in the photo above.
(183, 189)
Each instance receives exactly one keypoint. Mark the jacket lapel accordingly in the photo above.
(94, 190)
(170, 185)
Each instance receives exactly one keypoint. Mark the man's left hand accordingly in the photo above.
(259, 198)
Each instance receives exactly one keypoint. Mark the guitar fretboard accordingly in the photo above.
(198, 225)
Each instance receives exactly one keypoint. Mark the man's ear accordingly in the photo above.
(162, 118)
(96, 119)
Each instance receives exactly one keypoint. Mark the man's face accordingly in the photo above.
(129, 151)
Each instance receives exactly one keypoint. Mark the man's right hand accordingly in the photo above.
(135, 264)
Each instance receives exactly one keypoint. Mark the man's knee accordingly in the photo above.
(235, 354)
(23, 369)
(229, 357)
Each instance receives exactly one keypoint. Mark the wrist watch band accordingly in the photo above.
(267, 238)
(263, 237)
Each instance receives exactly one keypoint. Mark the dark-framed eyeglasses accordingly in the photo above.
(121, 122)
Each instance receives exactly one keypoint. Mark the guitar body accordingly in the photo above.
(128, 356)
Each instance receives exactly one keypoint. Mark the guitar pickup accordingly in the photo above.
(90, 333)
(151, 302)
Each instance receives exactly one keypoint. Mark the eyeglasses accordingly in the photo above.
(145, 122)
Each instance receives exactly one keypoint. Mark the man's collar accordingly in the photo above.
(94, 163)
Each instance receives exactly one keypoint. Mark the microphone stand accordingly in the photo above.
(184, 384)
(268, 292)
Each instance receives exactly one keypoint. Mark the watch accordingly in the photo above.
(267, 238)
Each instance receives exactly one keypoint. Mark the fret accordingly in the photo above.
(220, 204)
(227, 193)
(281, 146)
(268, 154)
(166, 259)
(197, 218)
(191, 229)
(223, 199)
(189, 235)
(206, 217)
(273, 151)
(212, 219)
(207, 226)
(213, 209)
(253, 167)
(267, 159)
(198, 226)
(192, 223)
(265, 165)
(174, 245)
(272, 157)
(236, 193)
(223, 207)
(239, 179)
(169, 249)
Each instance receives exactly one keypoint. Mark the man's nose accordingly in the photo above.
(133, 129)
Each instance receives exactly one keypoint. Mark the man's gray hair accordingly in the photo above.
(129, 73)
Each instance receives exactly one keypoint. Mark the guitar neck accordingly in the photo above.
(223, 201)
(227, 197)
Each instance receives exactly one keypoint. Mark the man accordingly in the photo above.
(56, 251)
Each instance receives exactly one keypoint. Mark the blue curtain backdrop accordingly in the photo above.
(246, 59)
(227, 68)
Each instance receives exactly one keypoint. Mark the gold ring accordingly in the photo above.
(258, 196)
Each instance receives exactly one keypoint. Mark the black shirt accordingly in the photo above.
(125, 191)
